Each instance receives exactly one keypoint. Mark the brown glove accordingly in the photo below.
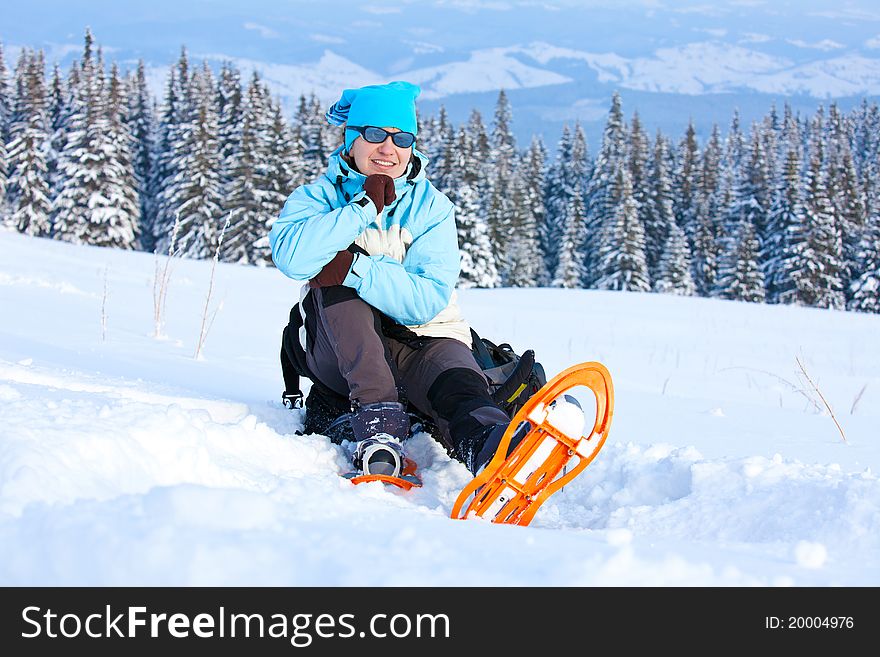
(335, 271)
(380, 189)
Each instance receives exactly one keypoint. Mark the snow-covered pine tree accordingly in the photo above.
(176, 121)
(734, 143)
(425, 139)
(427, 132)
(638, 153)
(262, 163)
(433, 144)
(570, 269)
(524, 251)
(785, 212)
(571, 249)
(501, 170)
(477, 158)
(142, 126)
(309, 126)
(604, 194)
(195, 192)
(818, 247)
(846, 194)
(3, 184)
(865, 290)
(478, 138)
(117, 222)
(770, 135)
(706, 227)
(740, 270)
(27, 185)
(621, 262)
(67, 136)
(230, 118)
(686, 181)
(757, 183)
(658, 209)
(552, 229)
(674, 269)
(785, 221)
(285, 153)
(477, 259)
(97, 203)
(727, 206)
(57, 114)
(481, 152)
(740, 276)
(866, 153)
(241, 198)
(5, 97)
(283, 156)
(20, 104)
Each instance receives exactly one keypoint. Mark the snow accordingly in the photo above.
(690, 69)
(125, 461)
(718, 67)
(567, 417)
(326, 77)
(485, 70)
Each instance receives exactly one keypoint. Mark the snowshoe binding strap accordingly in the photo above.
(381, 458)
(381, 455)
(292, 400)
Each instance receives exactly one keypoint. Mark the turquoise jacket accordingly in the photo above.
(414, 261)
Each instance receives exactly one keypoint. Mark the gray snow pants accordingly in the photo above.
(350, 354)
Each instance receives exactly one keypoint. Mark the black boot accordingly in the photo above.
(486, 443)
(326, 412)
(483, 446)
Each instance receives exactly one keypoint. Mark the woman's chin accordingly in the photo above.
(394, 172)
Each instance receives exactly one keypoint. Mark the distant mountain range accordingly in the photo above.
(559, 61)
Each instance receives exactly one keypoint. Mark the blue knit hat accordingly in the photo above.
(391, 105)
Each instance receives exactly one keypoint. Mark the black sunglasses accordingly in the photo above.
(376, 135)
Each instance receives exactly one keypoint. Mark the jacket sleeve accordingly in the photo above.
(309, 231)
(415, 291)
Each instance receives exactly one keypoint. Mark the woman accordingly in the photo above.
(378, 245)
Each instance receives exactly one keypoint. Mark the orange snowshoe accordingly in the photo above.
(407, 479)
(555, 450)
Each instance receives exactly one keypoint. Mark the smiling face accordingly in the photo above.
(380, 158)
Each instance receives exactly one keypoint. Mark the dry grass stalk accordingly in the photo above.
(821, 396)
(104, 305)
(858, 398)
(206, 324)
(786, 382)
(160, 282)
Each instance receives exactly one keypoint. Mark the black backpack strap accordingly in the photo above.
(293, 360)
(292, 397)
(481, 352)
